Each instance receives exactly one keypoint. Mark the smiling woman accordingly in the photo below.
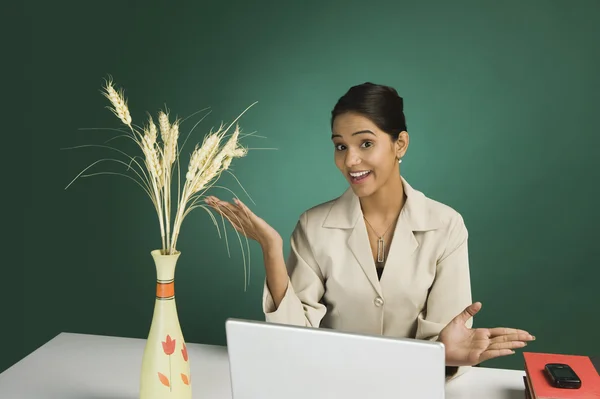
(382, 258)
(370, 138)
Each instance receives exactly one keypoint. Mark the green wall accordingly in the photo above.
(501, 100)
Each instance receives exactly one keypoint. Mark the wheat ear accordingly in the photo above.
(145, 142)
(118, 102)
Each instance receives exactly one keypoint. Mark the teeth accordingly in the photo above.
(359, 174)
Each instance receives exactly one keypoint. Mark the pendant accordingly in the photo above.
(380, 250)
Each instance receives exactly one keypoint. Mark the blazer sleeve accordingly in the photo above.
(301, 304)
(450, 292)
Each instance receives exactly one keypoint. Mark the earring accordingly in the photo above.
(399, 160)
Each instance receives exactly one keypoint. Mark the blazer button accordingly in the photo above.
(378, 301)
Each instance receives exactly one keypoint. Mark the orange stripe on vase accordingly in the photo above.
(165, 290)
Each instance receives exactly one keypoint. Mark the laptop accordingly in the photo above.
(275, 361)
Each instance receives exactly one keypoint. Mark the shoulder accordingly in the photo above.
(426, 213)
(323, 209)
(421, 212)
(335, 214)
(444, 214)
(448, 228)
(311, 227)
(317, 214)
(437, 222)
(440, 227)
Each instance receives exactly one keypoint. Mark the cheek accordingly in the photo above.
(338, 158)
(382, 161)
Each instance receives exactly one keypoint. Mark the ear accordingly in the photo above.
(402, 144)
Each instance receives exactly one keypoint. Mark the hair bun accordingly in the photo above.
(381, 104)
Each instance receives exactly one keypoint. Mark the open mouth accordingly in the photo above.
(359, 177)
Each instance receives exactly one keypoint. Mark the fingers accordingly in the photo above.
(508, 345)
(238, 207)
(244, 209)
(240, 218)
(503, 334)
(221, 206)
(505, 341)
(512, 337)
(242, 206)
(217, 203)
(493, 353)
(469, 312)
(228, 210)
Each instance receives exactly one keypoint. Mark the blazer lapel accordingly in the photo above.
(358, 243)
(414, 217)
(402, 247)
(346, 214)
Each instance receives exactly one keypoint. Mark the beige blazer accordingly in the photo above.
(333, 279)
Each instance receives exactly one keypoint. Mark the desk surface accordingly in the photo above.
(79, 366)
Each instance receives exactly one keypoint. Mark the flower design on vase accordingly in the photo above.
(164, 379)
(185, 378)
(184, 353)
(168, 345)
(168, 348)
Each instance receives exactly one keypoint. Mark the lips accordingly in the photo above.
(360, 176)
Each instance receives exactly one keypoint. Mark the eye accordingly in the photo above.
(339, 147)
(367, 144)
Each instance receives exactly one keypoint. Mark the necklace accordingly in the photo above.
(380, 242)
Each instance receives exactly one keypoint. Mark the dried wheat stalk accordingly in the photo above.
(160, 154)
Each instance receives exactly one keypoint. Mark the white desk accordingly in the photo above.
(79, 366)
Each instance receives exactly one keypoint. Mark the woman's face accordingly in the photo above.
(366, 156)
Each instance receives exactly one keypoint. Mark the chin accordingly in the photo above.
(362, 191)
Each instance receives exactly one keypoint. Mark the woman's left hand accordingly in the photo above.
(470, 346)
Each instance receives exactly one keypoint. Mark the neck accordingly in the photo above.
(386, 203)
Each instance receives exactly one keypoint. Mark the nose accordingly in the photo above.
(352, 159)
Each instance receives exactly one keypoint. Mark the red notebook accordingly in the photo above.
(582, 365)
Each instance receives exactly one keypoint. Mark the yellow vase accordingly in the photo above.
(165, 364)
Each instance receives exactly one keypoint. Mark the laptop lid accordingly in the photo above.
(274, 361)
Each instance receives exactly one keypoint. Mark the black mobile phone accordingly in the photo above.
(562, 376)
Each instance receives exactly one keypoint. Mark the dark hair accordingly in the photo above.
(381, 104)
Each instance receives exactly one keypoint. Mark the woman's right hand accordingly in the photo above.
(246, 222)
(255, 228)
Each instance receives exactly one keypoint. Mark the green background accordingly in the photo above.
(502, 102)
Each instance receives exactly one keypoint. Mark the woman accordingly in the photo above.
(382, 258)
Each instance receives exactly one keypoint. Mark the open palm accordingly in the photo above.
(245, 221)
(469, 346)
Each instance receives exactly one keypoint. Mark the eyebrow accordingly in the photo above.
(355, 133)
